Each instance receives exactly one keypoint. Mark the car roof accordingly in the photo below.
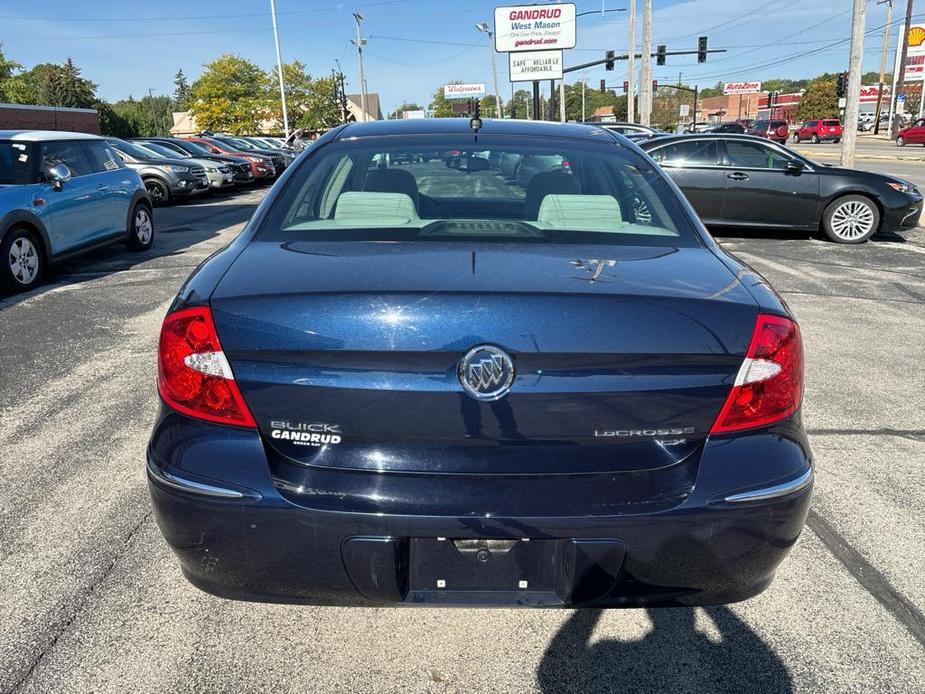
(460, 126)
(44, 135)
(666, 139)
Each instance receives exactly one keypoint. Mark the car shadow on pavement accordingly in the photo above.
(176, 229)
(673, 657)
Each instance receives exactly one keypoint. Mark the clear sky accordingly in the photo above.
(416, 45)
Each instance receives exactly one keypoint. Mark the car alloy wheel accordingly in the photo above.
(900, 141)
(852, 220)
(796, 138)
(815, 139)
(157, 191)
(23, 259)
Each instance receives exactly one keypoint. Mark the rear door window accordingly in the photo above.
(71, 154)
(754, 155)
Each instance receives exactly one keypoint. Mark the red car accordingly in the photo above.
(776, 130)
(819, 130)
(262, 167)
(913, 135)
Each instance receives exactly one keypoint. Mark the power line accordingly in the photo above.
(158, 18)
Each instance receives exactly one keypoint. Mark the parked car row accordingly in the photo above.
(64, 193)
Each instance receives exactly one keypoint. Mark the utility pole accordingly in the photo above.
(883, 51)
(359, 43)
(279, 68)
(853, 94)
(157, 130)
(562, 82)
(584, 84)
(645, 105)
(631, 67)
(901, 78)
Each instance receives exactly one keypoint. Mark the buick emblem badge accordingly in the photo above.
(486, 372)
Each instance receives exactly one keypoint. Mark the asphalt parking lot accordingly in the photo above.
(91, 599)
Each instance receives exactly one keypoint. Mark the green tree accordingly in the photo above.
(49, 84)
(7, 69)
(181, 92)
(819, 101)
(230, 95)
(311, 103)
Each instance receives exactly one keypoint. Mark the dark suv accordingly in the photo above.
(775, 130)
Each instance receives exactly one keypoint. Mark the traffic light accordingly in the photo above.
(609, 64)
(841, 86)
(603, 86)
(660, 54)
(702, 49)
(771, 97)
(654, 85)
(626, 86)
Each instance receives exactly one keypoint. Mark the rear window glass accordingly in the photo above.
(831, 122)
(523, 189)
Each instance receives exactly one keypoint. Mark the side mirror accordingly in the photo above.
(58, 174)
(794, 167)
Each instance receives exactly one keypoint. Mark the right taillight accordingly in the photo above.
(769, 385)
(193, 375)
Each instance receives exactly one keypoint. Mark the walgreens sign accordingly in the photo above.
(741, 88)
(534, 28)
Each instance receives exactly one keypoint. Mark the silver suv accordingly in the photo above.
(165, 179)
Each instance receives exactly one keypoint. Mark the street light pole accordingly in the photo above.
(483, 26)
(359, 43)
(646, 77)
(901, 77)
(631, 67)
(279, 68)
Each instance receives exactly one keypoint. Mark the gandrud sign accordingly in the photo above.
(534, 27)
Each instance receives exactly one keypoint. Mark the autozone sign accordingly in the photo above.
(741, 87)
(535, 65)
(463, 91)
(869, 93)
(534, 27)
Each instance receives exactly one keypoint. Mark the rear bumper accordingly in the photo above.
(238, 535)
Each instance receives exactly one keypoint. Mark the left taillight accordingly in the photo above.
(193, 375)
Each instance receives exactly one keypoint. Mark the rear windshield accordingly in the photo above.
(505, 189)
(15, 163)
(831, 122)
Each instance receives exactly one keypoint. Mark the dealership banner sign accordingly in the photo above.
(534, 27)
(741, 88)
(535, 65)
(463, 91)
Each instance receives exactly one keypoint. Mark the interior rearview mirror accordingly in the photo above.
(58, 174)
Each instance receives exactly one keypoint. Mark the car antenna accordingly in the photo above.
(476, 121)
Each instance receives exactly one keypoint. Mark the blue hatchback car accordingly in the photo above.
(412, 380)
(64, 193)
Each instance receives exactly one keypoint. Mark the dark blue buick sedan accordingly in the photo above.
(503, 366)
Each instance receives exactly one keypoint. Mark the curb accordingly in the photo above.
(880, 157)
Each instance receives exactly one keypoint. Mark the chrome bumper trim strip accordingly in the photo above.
(784, 489)
(185, 485)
